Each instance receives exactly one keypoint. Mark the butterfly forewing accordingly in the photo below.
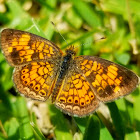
(108, 80)
(20, 47)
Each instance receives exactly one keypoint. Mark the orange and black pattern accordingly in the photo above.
(76, 97)
(21, 47)
(76, 84)
(35, 79)
(109, 80)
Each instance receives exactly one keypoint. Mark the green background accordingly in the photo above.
(106, 28)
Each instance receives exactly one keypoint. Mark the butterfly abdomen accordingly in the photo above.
(66, 61)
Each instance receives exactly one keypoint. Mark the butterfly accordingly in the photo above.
(77, 84)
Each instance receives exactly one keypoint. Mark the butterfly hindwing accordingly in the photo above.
(76, 96)
(35, 80)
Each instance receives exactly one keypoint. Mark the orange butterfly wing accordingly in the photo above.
(108, 80)
(36, 79)
(76, 97)
(20, 47)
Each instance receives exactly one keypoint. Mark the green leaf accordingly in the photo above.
(137, 108)
(82, 123)
(11, 128)
(117, 120)
(93, 129)
(25, 129)
(131, 136)
(123, 58)
(87, 13)
(38, 133)
(62, 131)
(104, 133)
(73, 19)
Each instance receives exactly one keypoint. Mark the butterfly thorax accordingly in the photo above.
(67, 60)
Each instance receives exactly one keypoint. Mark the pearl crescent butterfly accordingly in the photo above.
(76, 84)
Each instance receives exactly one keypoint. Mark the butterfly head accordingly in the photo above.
(71, 51)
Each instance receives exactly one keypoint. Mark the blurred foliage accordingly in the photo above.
(106, 28)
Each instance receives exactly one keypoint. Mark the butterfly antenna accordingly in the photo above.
(82, 44)
(90, 42)
(59, 32)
